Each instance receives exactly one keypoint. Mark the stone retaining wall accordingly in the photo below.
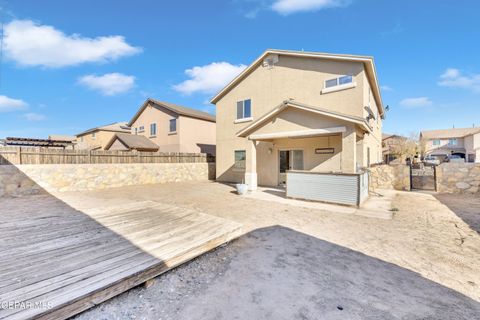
(32, 179)
(390, 177)
(458, 177)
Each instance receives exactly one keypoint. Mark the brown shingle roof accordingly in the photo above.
(132, 141)
(448, 133)
(116, 127)
(184, 111)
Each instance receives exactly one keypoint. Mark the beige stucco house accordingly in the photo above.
(292, 110)
(175, 128)
(131, 142)
(464, 142)
(99, 137)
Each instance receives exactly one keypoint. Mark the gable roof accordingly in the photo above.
(366, 60)
(294, 104)
(184, 111)
(449, 133)
(115, 127)
(133, 141)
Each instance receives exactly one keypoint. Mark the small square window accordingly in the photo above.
(436, 142)
(173, 125)
(453, 141)
(240, 156)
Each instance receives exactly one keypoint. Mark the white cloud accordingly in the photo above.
(108, 84)
(416, 102)
(32, 44)
(455, 79)
(286, 7)
(31, 116)
(386, 88)
(209, 78)
(9, 104)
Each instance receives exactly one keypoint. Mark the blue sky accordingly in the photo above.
(71, 65)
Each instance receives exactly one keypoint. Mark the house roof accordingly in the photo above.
(115, 127)
(184, 111)
(449, 133)
(366, 60)
(133, 141)
(386, 136)
(294, 104)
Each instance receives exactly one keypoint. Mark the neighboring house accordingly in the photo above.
(99, 137)
(298, 110)
(464, 142)
(128, 142)
(175, 128)
(391, 145)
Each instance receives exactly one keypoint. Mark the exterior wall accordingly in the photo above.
(372, 142)
(472, 147)
(444, 147)
(34, 179)
(167, 141)
(196, 136)
(192, 135)
(390, 177)
(301, 79)
(102, 138)
(458, 177)
(118, 145)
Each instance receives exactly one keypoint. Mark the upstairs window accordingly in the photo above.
(338, 81)
(436, 142)
(141, 129)
(453, 141)
(153, 129)
(93, 136)
(173, 125)
(244, 109)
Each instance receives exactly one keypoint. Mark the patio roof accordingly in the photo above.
(310, 132)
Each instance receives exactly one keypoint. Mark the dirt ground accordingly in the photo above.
(302, 263)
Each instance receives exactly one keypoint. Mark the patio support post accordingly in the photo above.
(349, 150)
(251, 165)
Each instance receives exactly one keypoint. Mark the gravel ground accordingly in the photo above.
(301, 263)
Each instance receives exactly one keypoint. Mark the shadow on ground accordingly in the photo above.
(279, 273)
(465, 206)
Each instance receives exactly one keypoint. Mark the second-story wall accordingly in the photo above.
(93, 139)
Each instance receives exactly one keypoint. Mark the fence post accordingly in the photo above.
(19, 155)
(90, 156)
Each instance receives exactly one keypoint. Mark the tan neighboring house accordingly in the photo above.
(99, 137)
(175, 128)
(464, 142)
(391, 144)
(292, 110)
(129, 142)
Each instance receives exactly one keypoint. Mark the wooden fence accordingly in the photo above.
(22, 155)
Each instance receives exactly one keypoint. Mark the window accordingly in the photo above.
(240, 156)
(338, 81)
(173, 125)
(436, 142)
(141, 129)
(153, 129)
(93, 136)
(244, 109)
(453, 141)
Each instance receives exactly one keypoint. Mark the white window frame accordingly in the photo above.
(170, 126)
(453, 141)
(436, 144)
(339, 86)
(141, 129)
(94, 136)
(153, 125)
(243, 118)
(235, 166)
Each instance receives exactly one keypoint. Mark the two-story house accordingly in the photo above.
(174, 128)
(99, 137)
(464, 142)
(292, 110)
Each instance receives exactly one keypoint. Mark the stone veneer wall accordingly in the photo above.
(458, 177)
(390, 177)
(33, 179)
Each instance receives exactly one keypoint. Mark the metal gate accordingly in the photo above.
(423, 177)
